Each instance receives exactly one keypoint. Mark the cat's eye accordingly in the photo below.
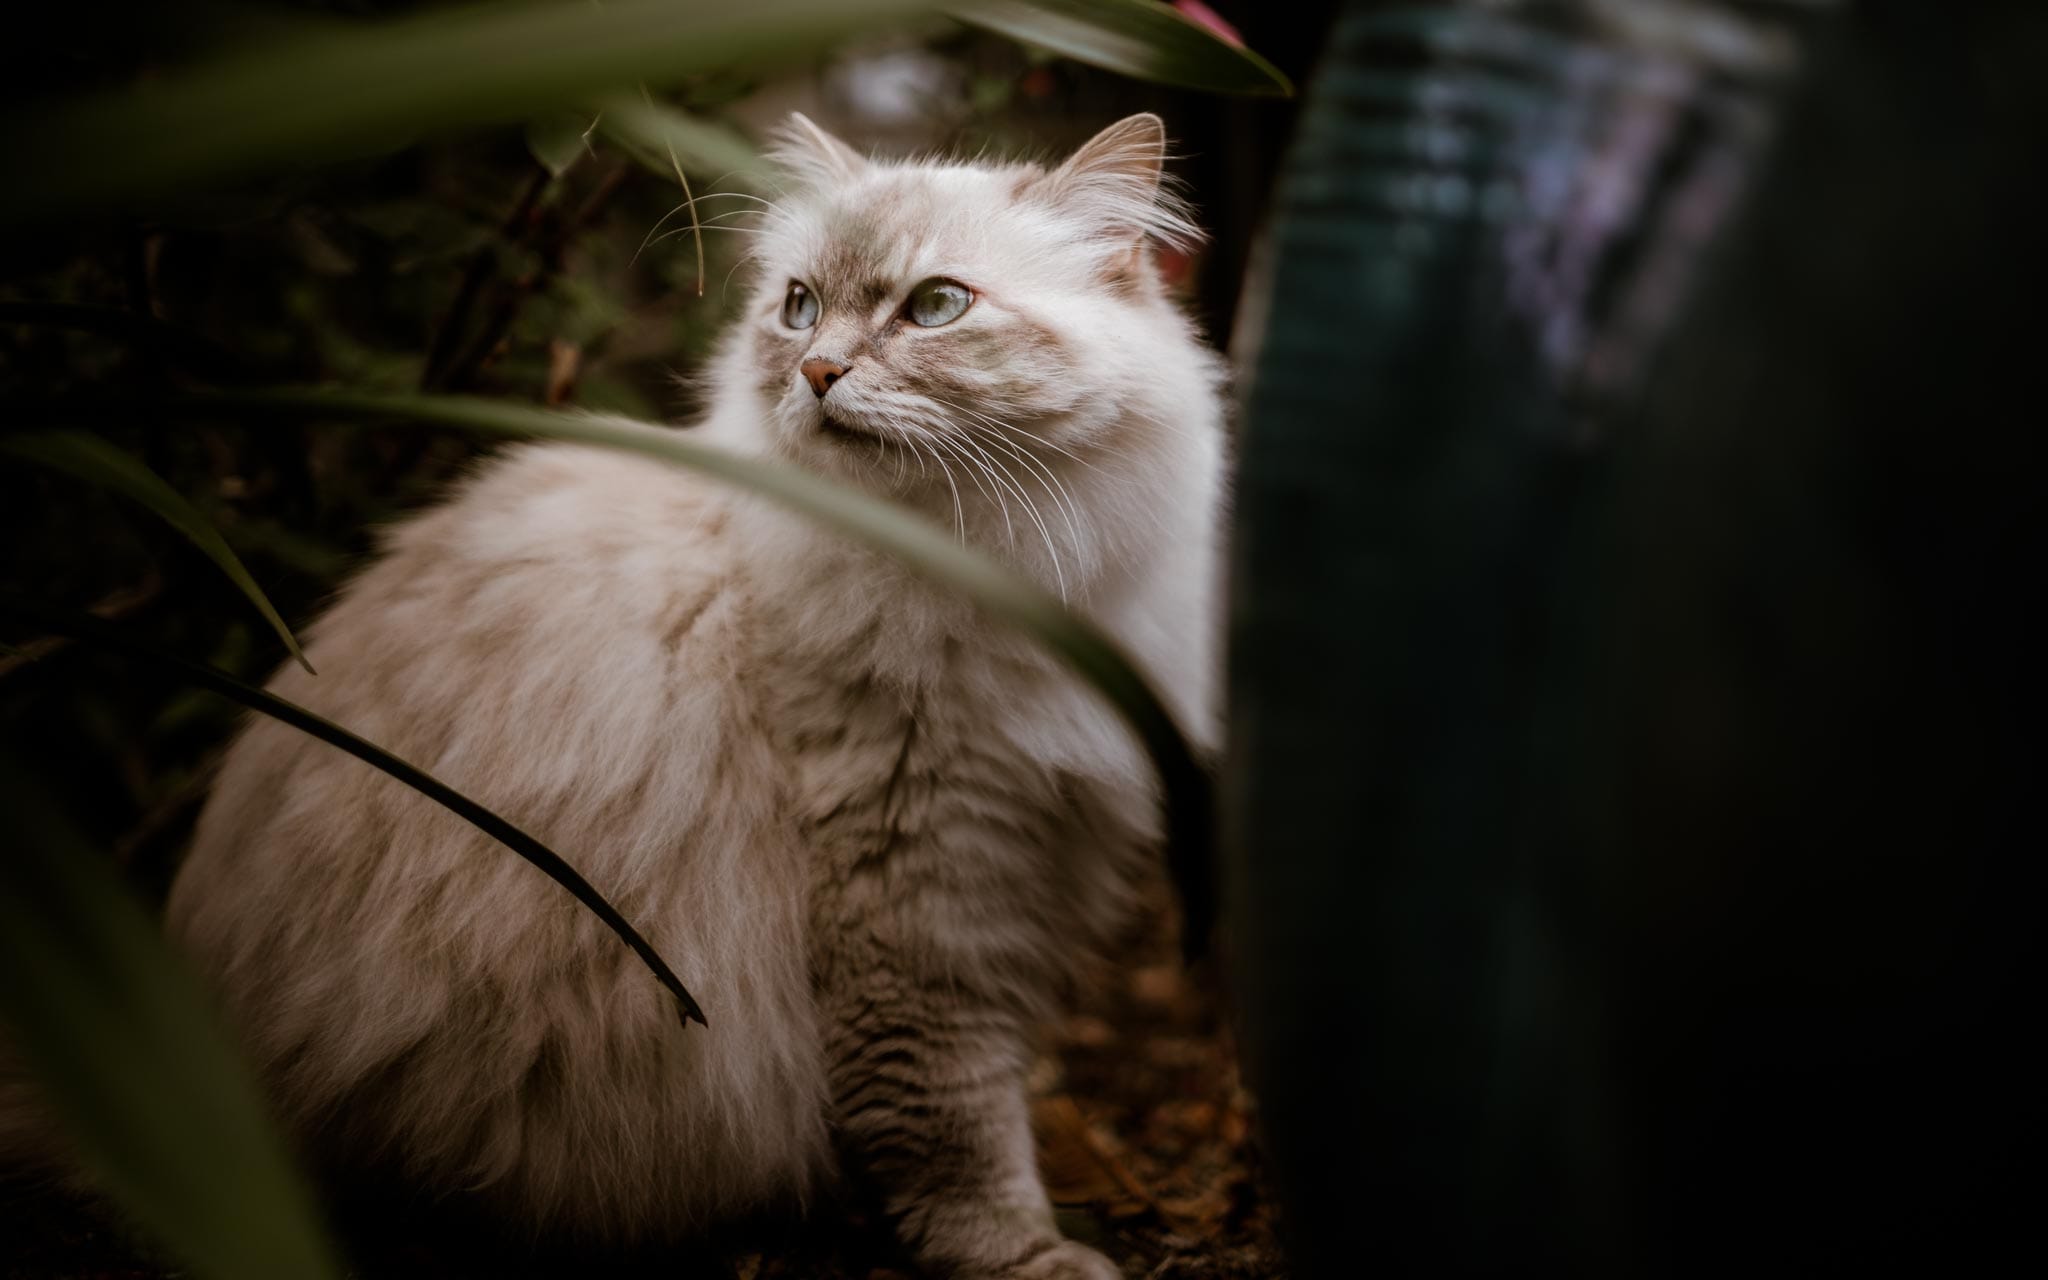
(937, 302)
(799, 307)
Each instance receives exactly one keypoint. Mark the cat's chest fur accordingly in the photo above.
(941, 783)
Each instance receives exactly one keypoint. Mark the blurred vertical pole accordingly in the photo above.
(1490, 215)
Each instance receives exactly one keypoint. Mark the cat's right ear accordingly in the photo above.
(813, 156)
(1116, 186)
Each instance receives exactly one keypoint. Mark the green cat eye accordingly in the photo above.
(937, 302)
(799, 307)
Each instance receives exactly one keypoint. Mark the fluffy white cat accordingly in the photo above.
(869, 828)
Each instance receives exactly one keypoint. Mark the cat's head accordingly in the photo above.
(940, 324)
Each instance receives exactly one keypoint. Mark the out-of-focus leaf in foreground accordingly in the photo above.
(1143, 39)
(123, 1047)
(559, 139)
(661, 136)
(921, 546)
(339, 90)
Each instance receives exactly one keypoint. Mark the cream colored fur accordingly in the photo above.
(870, 829)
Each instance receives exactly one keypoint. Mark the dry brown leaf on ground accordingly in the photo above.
(1076, 1168)
(1082, 1168)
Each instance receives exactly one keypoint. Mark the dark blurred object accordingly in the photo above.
(1231, 149)
(1824, 708)
(1635, 687)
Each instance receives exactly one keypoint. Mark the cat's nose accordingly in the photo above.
(821, 374)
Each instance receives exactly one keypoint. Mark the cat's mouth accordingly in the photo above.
(843, 429)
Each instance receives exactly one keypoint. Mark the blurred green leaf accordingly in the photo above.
(920, 545)
(334, 91)
(559, 139)
(93, 460)
(124, 1048)
(650, 132)
(329, 91)
(1139, 38)
(93, 631)
(606, 393)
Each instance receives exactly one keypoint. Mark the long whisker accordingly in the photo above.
(1176, 428)
(1035, 465)
(910, 436)
(997, 431)
(1050, 482)
(1044, 531)
(989, 463)
(897, 438)
(683, 231)
(959, 519)
(974, 472)
(1037, 470)
(1011, 427)
(726, 283)
(1030, 508)
(690, 205)
(737, 195)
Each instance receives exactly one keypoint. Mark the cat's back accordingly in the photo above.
(567, 621)
(564, 640)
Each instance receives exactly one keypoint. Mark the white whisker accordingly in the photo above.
(1030, 508)
(974, 472)
(1013, 427)
(1037, 470)
(959, 518)
(1034, 466)
(767, 209)
(895, 437)
(683, 231)
(689, 203)
(744, 259)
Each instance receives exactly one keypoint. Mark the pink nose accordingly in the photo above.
(821, 374)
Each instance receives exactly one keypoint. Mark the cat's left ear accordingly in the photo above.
(1116, 185)
(813, 156)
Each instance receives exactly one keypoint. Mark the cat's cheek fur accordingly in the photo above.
(778, 352)
(872, 831)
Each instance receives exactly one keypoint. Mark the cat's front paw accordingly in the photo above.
(1065, 1261)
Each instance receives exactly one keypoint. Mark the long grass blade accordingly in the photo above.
(95, 461)
(89, 630)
